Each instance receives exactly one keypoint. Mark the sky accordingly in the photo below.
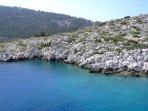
(95, 10)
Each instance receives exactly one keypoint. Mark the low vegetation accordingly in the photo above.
(2, 46)
(94, 53)
(98, 40)
(44, 45)
(115, 39)
(135, 32)
(41, 34)
(136, 46)
(21, 44)
(124, 22)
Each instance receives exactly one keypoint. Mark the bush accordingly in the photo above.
(126, 17)
(20, 43)
(131, 42)
(44, 45)
(100, 24)
(124, 23)
(94, 53)
(145, 40)
(118, 50)
(73, 35)
(104, 33)
(139, 20)
(71, 39)
(111, 23)
(137, 46)
(41, 34)
(81, 40)
(115, 39)
(2, 46)
(122, 34)
(135, 32)
(116, 29)
(117, 20)
(98, 40)
(87, 30)
(136, 28)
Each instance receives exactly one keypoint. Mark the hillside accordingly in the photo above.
(114, 47)
(18, 22)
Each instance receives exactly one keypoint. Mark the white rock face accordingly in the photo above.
(145, 66)
(106, 49)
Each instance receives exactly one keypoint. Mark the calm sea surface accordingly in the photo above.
(44, 86)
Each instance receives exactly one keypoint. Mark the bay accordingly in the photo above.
(51, 86)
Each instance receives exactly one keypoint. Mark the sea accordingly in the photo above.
(37, 85)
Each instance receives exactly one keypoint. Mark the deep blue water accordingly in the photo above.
(44, 86)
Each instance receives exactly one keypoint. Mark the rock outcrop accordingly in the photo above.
(115, 47)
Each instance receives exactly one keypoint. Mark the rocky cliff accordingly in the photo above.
(114, 47)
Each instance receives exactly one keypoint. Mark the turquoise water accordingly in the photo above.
(44, 86)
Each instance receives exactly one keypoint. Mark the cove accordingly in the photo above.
(51, 86)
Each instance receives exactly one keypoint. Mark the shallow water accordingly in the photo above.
(44, 86)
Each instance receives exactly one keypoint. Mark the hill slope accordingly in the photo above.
(113, 47)
(22, 23)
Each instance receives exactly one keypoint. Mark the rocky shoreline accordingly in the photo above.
(118, 47)
(124, 63)
(122, 71)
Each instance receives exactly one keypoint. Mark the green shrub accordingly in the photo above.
(145, 40)
(41, 34)
(21, 44)
(94, 53)
(115, 39)
(135, 32)
(87, 30)
(131, 42)
(139, 20)
(126, 17)
(81, 40)
(111, 23)
(44, 45)
(2, 46)
(99, 31)
(116, 30)
(73, 36)
(122, 34)
(100, 23)
(71, 39)
(124, 22)
(98, 40)
(136, 46)
(45, 38)
(136, 28)
(118, 49)
(62, 34)
(104, 33)
(117, 20)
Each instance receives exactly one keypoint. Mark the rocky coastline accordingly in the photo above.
(118, 47)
